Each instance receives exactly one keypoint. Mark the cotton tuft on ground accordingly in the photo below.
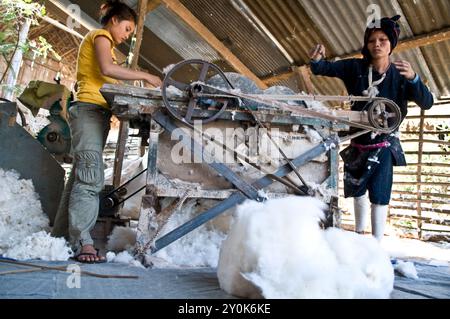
(278, 250)
(23, 225)
(199, 248)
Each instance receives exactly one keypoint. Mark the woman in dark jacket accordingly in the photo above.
(369, 160)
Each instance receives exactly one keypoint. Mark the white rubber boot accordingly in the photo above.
(361, 208)
(379, 216)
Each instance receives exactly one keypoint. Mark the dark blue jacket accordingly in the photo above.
(354, 74)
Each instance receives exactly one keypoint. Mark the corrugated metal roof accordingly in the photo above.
(331, 18)
(179, 36)
(426, 15)
(343, 24)
(288, 22)
(297, 25)
(237, 33)
(439, 54)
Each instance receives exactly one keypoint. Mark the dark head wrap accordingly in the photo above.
(389, 26)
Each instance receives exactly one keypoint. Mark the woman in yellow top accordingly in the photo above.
(90, 123)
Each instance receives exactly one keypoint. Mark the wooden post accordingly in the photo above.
(150, 203)
(142, 5)
(120, 151)
(419, 173)
(124, 124)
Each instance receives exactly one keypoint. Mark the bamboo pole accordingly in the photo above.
(426, 141)
(425, 153)
(424, 201)
(394, 191)
(419, 173)
(418, 117)
(64, 269)
(424, 209)
(425, 132)
(433, 176)
(422, 183)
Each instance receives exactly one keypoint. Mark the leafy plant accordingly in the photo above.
(13, 15)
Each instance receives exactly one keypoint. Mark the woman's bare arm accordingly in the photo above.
(103, 54)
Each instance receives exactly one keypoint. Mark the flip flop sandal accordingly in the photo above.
(87, 261)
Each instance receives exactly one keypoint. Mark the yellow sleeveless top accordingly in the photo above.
(89, 76)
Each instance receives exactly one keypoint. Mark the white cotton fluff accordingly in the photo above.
(168, 68)
(413, 248)
(121, 238)
(23, 225)
(406, 269)
(317, 106)
(110, 256)
(199, 248)
(278, 250)
(123, 257)
(40, 246)
(313, 135)
(174, 91)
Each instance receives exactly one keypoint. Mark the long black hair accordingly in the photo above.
(116, 8)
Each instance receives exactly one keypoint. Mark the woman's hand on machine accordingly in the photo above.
(153, 80)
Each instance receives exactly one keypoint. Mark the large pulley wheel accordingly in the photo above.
(187, 77)
(384, 116)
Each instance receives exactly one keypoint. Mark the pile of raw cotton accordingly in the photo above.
(23, 225)
(278, 250)
(199, 248)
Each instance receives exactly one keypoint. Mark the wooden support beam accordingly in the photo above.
(424, 40)
(142, 12)
(152, 5)
(179, 9)
(406, 44)
(279, 77)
